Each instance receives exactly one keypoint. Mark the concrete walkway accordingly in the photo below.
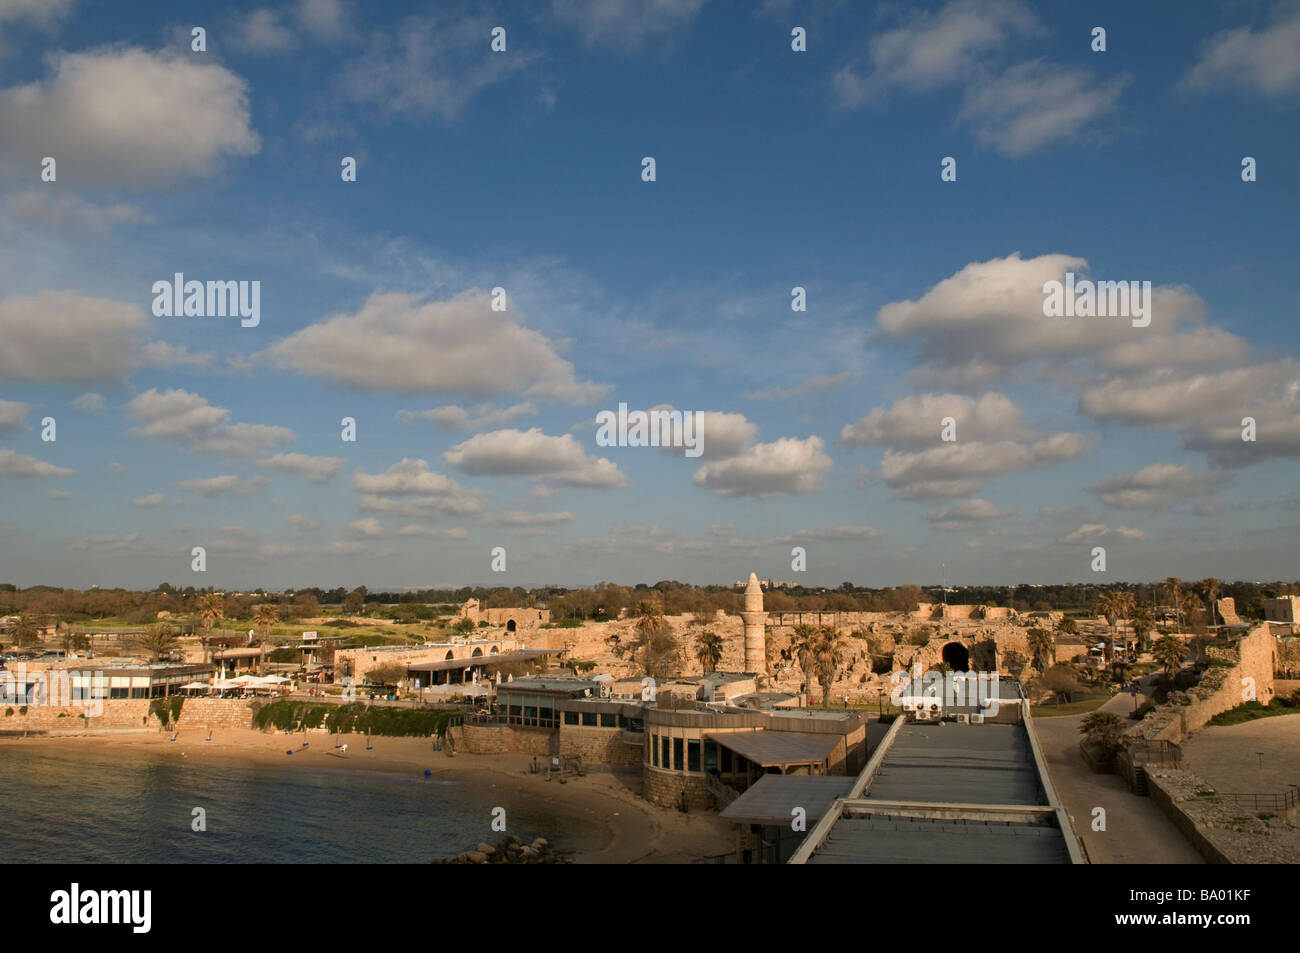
(1137, 832)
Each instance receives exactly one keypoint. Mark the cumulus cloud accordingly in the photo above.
(785, 466)
(965, 514)
(626, 25)
(1264, 61)
(12, 416)
(404, 343)
(410, 489)
(455, 417)
(69, 214)
(1033, 105)
(175, 117)
(17, 464)
(314, 469)
(263, 31)
(219, 485)
(533, 453)
(59, 336)
(933, 49)
(90, 403)
(189, 419)
(153, 499)
(1090, 532)
(520, 519)
(164, 355)
(960, 468)
(1157, 485)
(915, 422)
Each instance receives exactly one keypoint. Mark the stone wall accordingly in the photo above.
(1221, 831)
(603, 745)
(123, 713)
(1221, 689)
(665, 788)
(498, 739)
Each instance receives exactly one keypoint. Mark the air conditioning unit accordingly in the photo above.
(963, 718)
(605, 691)
(977, 719)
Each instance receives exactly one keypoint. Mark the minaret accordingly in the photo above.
(755, 620)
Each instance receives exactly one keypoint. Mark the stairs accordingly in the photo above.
(1140, 782)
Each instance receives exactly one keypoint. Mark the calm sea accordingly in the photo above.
(89, 809)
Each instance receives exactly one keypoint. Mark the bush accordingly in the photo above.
(354, 718)
(9, 712)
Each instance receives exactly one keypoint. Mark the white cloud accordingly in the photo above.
(625, 24)
(1090, 532)
(369, 526)
(533, 453)
(17, 464)
(804, 389)
(58, 494)
(916, 422)
(174, 117)
(324, 19)
(1157, 485)
(454, 417)
(421, 491)
(39, 12)
(404, 343)
(315, 469)
(785, 466)
(517, 518)
(958, 469)
(263, 31)
(189, 419)
(965, 514)
(218, 485)
(153, 499)
(12, 416)
(90, 403)
(1034, 104)
(1263, 61)
(71, 215)
(933, 49)
(59, 336)
(303, 523)
(164, 355)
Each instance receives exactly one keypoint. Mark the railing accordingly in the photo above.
(1155, 752)
(1286, 801)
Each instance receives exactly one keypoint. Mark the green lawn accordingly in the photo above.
(1252, 711)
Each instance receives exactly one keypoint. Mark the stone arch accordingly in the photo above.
(510, 625)
(957, 656)
(496, 649)
(478, 653)
(450, 654)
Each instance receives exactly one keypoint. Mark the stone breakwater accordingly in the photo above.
(512, 850)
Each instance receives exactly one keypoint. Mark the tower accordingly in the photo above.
(755, 620)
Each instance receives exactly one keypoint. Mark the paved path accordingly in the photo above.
(1137, 832)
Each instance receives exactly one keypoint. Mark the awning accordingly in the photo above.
(772, 799)
(778, 748)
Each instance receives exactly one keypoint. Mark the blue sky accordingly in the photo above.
(522, 169)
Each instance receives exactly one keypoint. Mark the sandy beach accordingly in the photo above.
(623, 829)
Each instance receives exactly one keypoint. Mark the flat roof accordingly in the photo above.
(887, 839)
(769, 747)
(946, 762)
(772, 799)
(549, 685)
(451, 664)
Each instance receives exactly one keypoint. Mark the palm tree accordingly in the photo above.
(1115, 606)
(158, 640)
(1169, 652)
(210, 608)
(828, 656)
(265, 616)
(26, 631)
(1067, 627)
(74, 641)
(1104, 731)
(1144, 622)
(1212, 587)
(654, 637)
(1042, 648)
(708, 649)
(803, 648)
(1175, 587)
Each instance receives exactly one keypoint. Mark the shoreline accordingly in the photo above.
(619, 827)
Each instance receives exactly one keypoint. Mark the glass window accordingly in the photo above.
(608, 721)
(678, 763)
(726, 760)
(118, 692)
(711, 756)
(570, 717)
(589, 719)
(654, 750)
(663, 761)
(693, 755)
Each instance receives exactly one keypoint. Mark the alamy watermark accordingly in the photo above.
(212, 299)
(913, 690)
(54, 687)
(652, 428)
(1099, 299)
